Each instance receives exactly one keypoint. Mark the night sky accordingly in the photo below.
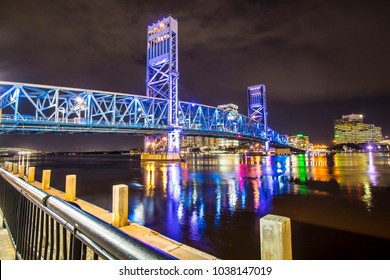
(318, 59)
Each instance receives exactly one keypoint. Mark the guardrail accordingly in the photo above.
(44, 227)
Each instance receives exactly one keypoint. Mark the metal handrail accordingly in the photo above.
(104, 239)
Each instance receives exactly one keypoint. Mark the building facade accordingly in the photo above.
(351, 129)
(211, 143)
(299, 141)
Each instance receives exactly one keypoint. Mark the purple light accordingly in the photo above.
(369, 147)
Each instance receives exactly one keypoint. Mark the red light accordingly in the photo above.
(239, 135)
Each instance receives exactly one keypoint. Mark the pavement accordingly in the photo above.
(7, 250)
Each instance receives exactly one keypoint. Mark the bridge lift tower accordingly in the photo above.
(257, 108)
(162, 76)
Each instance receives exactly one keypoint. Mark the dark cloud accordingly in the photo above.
(308, 53)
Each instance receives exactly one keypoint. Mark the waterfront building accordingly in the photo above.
(351, 129)
(189, 142)
(299, 141)
(206, 143)
(227, 143)
(318, 148)
(386, 140)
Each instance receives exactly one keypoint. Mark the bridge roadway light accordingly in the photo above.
(80, 105)
(62, 111)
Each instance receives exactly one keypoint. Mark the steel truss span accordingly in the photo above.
(29, 108)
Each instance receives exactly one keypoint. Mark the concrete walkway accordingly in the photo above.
(7, 251)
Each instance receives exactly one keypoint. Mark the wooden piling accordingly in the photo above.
(275, 238)
(46, 179)
(120, 205)
(70, 188)
(31, 174)
(21, 171)
(9, 168)
(15, 168)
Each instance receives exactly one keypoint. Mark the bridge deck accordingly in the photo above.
(29, 108)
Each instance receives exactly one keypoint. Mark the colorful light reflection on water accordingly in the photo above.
(214, 203)
(186, 201)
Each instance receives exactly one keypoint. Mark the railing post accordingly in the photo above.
(275, 238)
(21, 171)
(46, 179)
(31, 174)
(15, 168)
(120, 205)
(70, 188)
(76, 248)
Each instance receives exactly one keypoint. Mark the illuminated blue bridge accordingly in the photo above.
(159, 116)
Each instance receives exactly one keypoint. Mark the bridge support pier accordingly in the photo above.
(160, 156)
(266, 146)
(164, 147)
(282, 151)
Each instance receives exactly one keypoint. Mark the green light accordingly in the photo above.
(336, 136)
(303, 190)
(300, 135)
(302, 169)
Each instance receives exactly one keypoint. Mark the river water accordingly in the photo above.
(339, 205)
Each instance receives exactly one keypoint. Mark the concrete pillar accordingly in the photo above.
(21, 171)
(46, 179)
(70, 188)
(275, 238)
(15, 168)
(120, 205)
(31, 174)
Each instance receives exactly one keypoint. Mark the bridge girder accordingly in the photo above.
(28, 108)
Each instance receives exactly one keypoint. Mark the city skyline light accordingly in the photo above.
(318, 60)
